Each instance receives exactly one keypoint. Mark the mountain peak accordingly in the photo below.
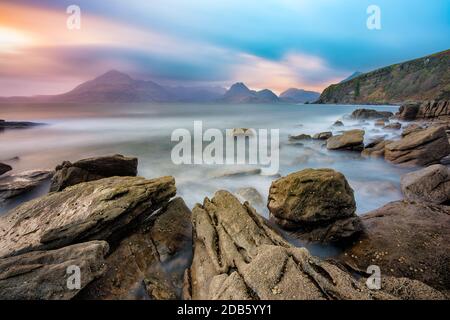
(114, 76)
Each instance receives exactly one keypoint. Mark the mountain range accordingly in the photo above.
(118, 87)
(418, 80)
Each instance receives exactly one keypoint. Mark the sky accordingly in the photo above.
(275, 44)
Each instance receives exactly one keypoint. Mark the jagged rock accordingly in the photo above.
(323, 135)
(4, 168)
(251, 195)
(405, 239)
(350, 140)
(68, 174)
(375, 149)
(17, 184)
(367, 114)
(338, 123)
(434, 110)
(232, 248)
(431, 184)
(421, 148)
(393, 126)
(43, 275)
(150, 262)
(407, 112)
(311, 196)
(96, 210)
(300, 137)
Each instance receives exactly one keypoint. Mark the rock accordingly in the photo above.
(17, 184)
(323, 136)
(375, 149)
(311, 196)
(413, 127)
(243, 132)
(150, 262)
(421, 148)
(408, 289)
(18, 124)
(300, 137)
(369, 114)
(433, 110)
(352, 140)
(4, 168)
(44, 275)
(405, 239)
(407, 112)
(431, 184)
(338, 123)
(445, 160)
(236, 173)
(68, 174)
(393, 126)
(380, 123)
(232, 248)
(251, 195)
(96, 210)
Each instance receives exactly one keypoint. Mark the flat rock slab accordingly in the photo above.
(94, 210)
(405, 239)
(352, 140)
(44, 275)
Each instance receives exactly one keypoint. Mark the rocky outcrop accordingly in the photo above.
(423, 79)
(431, 184)
(97, 210)
(17, 184)
(317, 203)
(352, 140)
(421, 148)
(150, 262)
(4, 168)
(375, 149)
(68, 174)
(370, 114)
(405, 239)
(323, 135)
(44, 275)
(232, 248)
(251, 195)
(434, 110)
(408, 112)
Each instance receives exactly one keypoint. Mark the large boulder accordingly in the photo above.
(318, 203)
(352, 140)
(96, 210)
(4, 168)
(44, 275)
(232, 248)
(150, 262)
(370, 114)
(405, 239)
(68, 174)
(431, 184)
(419, 148)
(18, 184)
(407, 112)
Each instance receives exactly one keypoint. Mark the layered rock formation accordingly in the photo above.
(17, 184)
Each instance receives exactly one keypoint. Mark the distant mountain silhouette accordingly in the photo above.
(294, 95)
(240, 93)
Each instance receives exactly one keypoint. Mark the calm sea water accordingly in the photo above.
(144, 130)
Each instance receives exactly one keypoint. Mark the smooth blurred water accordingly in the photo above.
(144, 130)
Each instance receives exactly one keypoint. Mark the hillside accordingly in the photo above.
(427, 78)
(299, 96)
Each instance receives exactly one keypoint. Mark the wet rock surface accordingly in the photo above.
(43, 274)
(431, 184)
(68, 174)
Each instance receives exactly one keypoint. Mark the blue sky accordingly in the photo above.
(275, 44)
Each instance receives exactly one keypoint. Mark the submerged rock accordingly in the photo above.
(367, 114)
(350, 140)
(17, 184)
(149, 263)
(300, 137)
(338, 123)
(393, 126)
(311, 196)
(96, 210)
(431, 184)
(4, 168)
(421, 148)
(68, 174)
(43, 275)
(238, 256)
(380, 123)
(323, 135)
(405, 239)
